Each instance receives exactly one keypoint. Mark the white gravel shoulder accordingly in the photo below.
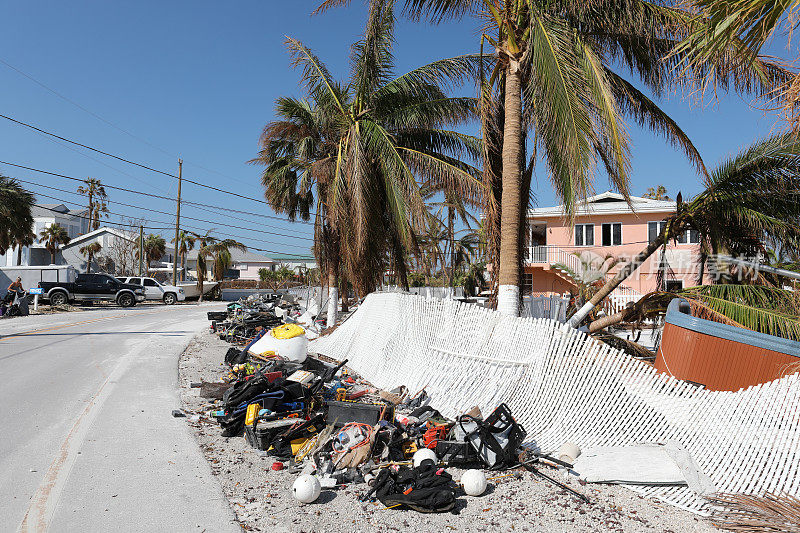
(261, 498)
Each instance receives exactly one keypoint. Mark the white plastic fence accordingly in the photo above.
(564, 386)
(620, 298)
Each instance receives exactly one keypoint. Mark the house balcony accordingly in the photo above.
(550, 255)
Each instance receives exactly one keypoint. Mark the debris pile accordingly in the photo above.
(249, 318)
(318, 420)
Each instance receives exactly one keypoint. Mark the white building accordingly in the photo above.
(75, 221)
(119, 259)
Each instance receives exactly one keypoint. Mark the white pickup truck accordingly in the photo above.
(153, 290)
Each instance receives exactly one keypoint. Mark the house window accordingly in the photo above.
(242, 266)
(654, 229)
(673, 285)
(527, 283)
(584, 234)
(612, 234)
(692, 236)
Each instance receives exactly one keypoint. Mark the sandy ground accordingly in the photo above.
(261, 498)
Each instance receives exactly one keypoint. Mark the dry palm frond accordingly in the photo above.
(744, 513)
(630, 347)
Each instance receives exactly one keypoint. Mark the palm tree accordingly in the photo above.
(97, 200)
(16, 218)
(154, 248)
(220, 252)
(656, 193)
(554, 74)
(390, 131)
(53, 236)
(742, 28)
(186, 240)
(455, 208)
(752, 200)
(297, 152)
(89, 251)
(363, 144)
(22, 241)
(203, 240)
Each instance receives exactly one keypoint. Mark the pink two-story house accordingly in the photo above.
(605, 225)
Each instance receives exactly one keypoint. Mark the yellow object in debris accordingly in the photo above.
(297, 444)
(252, 412)
(288, 331)
(409, 448)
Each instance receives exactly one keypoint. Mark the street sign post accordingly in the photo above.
(36, 291)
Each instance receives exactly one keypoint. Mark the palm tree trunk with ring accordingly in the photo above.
(333, 299)
(614, 282)
(508, 290)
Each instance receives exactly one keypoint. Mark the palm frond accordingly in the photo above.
(647, 114)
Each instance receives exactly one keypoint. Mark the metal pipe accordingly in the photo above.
(759, 266)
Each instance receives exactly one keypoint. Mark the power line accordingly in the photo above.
(154, 195)
(105, 222)
(108, 122)
(169, 214)
(79, 106)
(168, 227)
(186, 180)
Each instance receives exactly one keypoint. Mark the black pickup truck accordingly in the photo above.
(96, 287)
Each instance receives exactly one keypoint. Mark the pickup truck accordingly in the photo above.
(97, 287)
(153, 290)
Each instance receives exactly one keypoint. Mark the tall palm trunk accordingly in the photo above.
(614, 282)
(89, 262)
(452, 244)
(508, 291)
(333, 297)
(19, 254)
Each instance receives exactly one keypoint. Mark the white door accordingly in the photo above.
(152, 290)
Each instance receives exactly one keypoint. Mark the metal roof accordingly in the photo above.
(608, 203)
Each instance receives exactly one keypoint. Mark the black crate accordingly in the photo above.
(261, 435)
(341, 413)
(454, 452)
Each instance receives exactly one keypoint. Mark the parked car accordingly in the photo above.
(95, 287)
(153, 290)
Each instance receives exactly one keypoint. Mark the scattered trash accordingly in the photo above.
(318, 419)
(177, 413)
(648, 464)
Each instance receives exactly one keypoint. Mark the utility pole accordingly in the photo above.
(141, 250)
(177, 224)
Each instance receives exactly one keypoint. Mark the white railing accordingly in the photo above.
(551, 255)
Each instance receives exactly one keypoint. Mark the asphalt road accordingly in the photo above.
(88, 442)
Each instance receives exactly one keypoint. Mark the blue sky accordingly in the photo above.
(199, 79)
